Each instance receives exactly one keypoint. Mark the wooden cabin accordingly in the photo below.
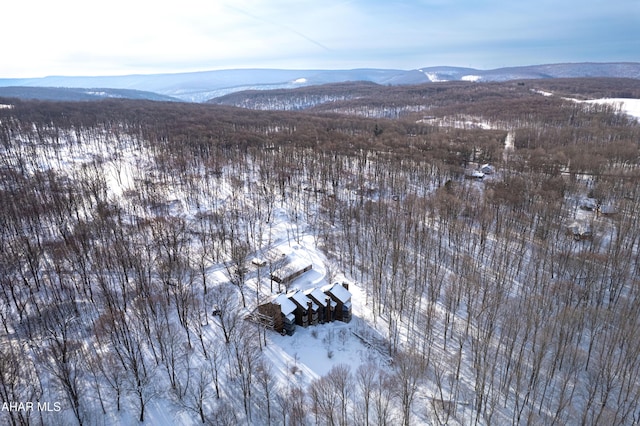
(306, 311)
(281, 310)
(339, 293)
(326, 306)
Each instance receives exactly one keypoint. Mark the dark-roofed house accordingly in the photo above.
(340, 294)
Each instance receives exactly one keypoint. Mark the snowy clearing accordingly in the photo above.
(627, 106)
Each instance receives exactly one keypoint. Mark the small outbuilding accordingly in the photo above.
(580, 231)
(293, 267)
(607, 210)
(588, 204)
(258, 261)
(473, 174)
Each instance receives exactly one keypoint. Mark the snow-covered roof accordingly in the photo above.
(579, 228)
(474, 174)
(286, 305)
(318, 296)
(294, 266)
(258, 261)
(588, 204)
(608, 209)
(339, 292)
(299, 297)
(487, 169)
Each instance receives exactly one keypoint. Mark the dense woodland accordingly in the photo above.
(491, 311)
(402, 100)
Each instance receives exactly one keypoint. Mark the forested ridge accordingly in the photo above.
(510, 299)
(401, 99)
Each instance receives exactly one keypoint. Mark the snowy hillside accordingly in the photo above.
(174, 263)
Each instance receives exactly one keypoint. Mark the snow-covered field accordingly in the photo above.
(625, 105)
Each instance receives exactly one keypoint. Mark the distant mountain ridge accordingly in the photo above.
(567, 70)
(205, 85)
(79, 94)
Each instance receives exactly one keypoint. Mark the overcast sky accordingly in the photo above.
(80, 37)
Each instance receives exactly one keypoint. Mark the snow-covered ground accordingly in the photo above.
(433, 77)
(296, 360)
(312, 352)
(464, 122)
(472, 78)
(625, 105)
(629, 106)
(543, 92)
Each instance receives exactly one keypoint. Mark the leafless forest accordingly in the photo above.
(511, 299)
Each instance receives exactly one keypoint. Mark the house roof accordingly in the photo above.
(294, 265)
(608, 209)
(487, 168)
(474, 174)
(338, 291)
(258, 261)
(286, 305)
(578, 228)
(299, 298)
(588, 204)
(318, 296)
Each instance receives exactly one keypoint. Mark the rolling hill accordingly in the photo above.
(205, 85)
